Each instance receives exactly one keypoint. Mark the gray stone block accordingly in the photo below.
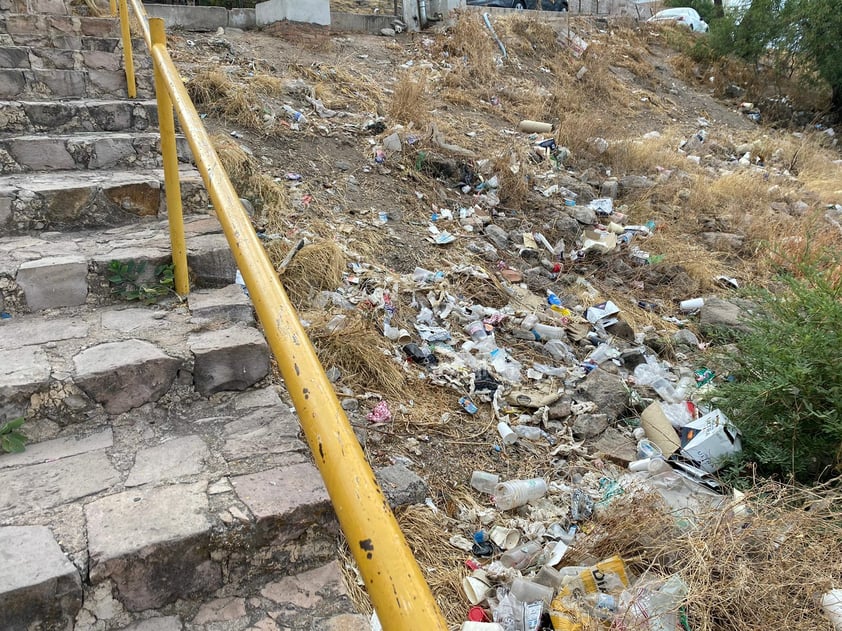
(285, 501)
(124, 375)
(401, 486)
(173, 459)
(39, 587)
(14, 57)
(607, 390)
(228, 303)
(228, 359)
(58, 448)
(55, 483)
(58, 83)
(263, 431)
(54, 282)
(167, 623)
(33, 331)
(23, 372)
(12, 82)
(154, 545)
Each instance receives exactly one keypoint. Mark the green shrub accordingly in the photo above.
(11, 440)
(705, 8)
(787, 393)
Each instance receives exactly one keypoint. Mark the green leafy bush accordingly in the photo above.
(11, 440)
(787, 393)
(129, 281)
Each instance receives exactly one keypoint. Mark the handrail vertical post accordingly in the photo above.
(112, 5)
(127, 48)
(169, 152)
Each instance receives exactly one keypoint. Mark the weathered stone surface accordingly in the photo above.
(153, 544)
(608, 391)
(616, 447)
(124, 375)
(142, 198)
(497, 236)
(12, 82)
(58, 448)
(228, 359)
(589, 425)
(22, 372)
(347, 622)
(401, 486)
(305, 590)
(39, 587)
(221, 610)
(285, 500)
(58, 83)
(210, 258)
(685, 338)
(167, 623)
(722, 241)
(261, 398)
(54, 483)
(263, 431)
(54, 282)
(14, 57)
(39, 153)
(718, 315)
(36, 331)
(168, 461)
(227, 303)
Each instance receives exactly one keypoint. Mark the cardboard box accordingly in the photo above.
(709, 439)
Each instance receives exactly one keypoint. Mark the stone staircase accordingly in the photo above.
(164, 486)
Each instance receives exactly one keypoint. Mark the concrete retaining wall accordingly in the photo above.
(201, 18)
(360, 23)
(311, 11)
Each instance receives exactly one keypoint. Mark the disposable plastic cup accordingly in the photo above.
(529, 592)
(476, 587)
(506, 433)
(506, 538)
(832, 605)
(694, 304)
(480, 626)
(548, 576)
(514, 493)
(484, 482)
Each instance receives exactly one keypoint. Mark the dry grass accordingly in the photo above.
(358, 350)
(472, 50)
(216, 92)
(408, 104)
(341, 88)
(270, 197)
(765, 570)
(316, 267)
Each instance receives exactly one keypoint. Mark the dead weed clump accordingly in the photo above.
(216, 92)
(473, 51)
(270, 197)
(762, 563)
(526, 36)
(316, 267)
(355, 347)
(409, 103)
(340, 88)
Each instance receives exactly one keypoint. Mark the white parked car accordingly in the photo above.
(685, 17)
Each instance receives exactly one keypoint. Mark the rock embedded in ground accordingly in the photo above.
(718, 315)
(497, 236)
(608, 391)
(401, 486)
(589, 425)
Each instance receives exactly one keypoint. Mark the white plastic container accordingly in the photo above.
(470, 625)
(694, 304)
(528, 592)
(484, 482)
(514, 493)
(832, 605)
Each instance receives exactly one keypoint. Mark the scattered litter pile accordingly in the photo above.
(517, 303)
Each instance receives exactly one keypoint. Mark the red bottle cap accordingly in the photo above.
(478, 614)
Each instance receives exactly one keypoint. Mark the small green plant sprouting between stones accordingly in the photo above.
(126, 281)
(11, 440)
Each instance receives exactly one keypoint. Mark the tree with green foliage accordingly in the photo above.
(705, 8)
(806, 34)
(786, 396)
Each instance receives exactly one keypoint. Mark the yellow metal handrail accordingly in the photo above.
(394, 581)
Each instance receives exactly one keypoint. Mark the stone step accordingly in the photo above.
(34, 57)
(69, 116)
(55, 7)
(36, 23)
(162, 506)
(68, 269)
(84, 43)
(69, 84)
(70, 200)
(72, 365)
(86, 150)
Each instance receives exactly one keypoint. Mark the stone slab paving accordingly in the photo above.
(58, 117)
